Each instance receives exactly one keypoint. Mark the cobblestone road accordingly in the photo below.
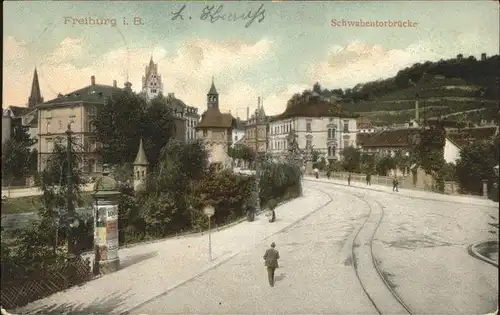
(420, 246)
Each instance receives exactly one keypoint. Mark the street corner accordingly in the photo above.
(486, 251)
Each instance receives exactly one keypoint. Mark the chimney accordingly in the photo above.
(248, 113)
(114, 83)
(92, 80)
(416, 111)
(483, 57)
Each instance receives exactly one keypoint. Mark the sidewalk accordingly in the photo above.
(156, 268)
(410, 193)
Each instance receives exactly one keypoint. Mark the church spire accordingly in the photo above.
(35, 96)
(141, 159)
(213, 97)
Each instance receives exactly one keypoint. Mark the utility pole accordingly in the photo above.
(69, 195)
(257, 183)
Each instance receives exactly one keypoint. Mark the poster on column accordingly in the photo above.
(112, 231)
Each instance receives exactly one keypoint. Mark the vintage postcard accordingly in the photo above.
(250, 157)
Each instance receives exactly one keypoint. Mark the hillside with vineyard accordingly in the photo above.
(462, 89)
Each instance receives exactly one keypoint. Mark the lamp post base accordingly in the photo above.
(109, 266)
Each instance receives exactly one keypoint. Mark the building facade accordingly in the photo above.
(364, 125)
(320, 125)
(256, 130)
(191, 121)
(78, 109)
(14, 117)
(152, 86)
(215, 129)
(238, 133)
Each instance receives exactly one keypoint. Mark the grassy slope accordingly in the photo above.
(30, 204)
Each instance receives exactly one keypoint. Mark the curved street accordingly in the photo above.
(344, 250)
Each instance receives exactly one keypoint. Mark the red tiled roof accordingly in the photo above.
(315, 108)
(467, 136)
(213, 118)
(364, 123)
(390, 138)
(362, 138)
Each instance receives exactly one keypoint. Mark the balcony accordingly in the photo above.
(331, 141)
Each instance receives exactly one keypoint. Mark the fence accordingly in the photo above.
(20, 288)
(404, 182)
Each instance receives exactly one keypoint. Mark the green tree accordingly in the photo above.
(125, 119)
(383, 164)
(351, 159)
(430, 152)
(475, 164)
(118, 124)
(18, 160)
(242, 152)
(167, 200)
(39, 247)
(157, 128)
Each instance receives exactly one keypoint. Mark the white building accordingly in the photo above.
(238, 132)
(322, 125)
(151, 81)
(364, 125)
(451, 151)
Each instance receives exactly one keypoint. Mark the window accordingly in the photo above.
(308, 126)
(204, 133)
(50, 145)
(48, 126)
(329, 151)
(92, 145)
(346, 125)
(333, 151)
(153, 90)
(236, 138)
(98, 166)
(346, 144)
(308, 143)
(91, 166)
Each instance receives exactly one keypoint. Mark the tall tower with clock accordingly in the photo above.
(213, 97)
(151, 81)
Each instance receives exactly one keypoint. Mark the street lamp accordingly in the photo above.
(209, 212)
(257, 183)
(69, 193)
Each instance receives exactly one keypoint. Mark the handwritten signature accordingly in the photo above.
(214, 13)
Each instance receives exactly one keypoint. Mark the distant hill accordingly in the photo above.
(461, 88)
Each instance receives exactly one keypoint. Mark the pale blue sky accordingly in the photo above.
(298, 48)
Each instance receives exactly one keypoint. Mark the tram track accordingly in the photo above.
(377, 297)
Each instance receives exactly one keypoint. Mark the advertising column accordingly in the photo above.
(106, 236)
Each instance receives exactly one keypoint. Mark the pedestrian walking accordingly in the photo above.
(349, 179)
(272, 216)
(328, 174)
(271, 261)
(368, 179)
(395, 184)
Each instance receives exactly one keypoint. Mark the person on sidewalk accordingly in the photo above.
(316, 173)
(395, 184)
(368, 179)
(271, 261)
(349, 179)
(328, 174)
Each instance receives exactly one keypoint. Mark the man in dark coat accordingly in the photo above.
(395, 184)
(271, 260)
